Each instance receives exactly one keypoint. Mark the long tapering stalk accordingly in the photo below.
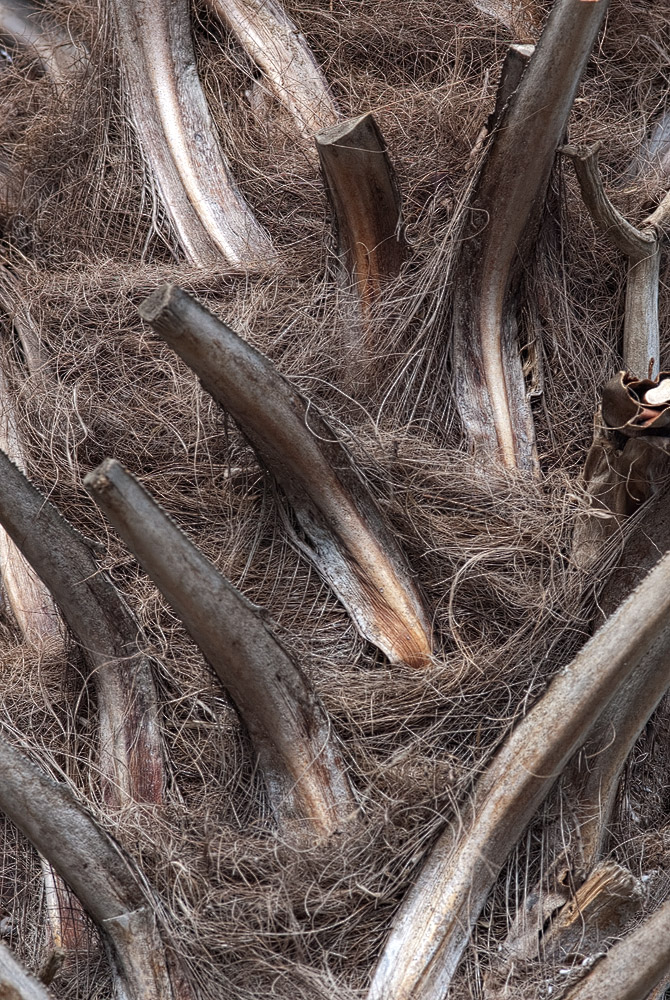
(502, 223)
(301, 765)
(346, 538)
(131, 756)
(433, 925)
(15, 981)
(178, 137)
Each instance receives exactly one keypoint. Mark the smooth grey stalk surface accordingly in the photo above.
(633, 966)
(178, 137)
(301, 765)
(131, 752)
(16, 983)
(345, 537)
(92, 864)
(433, 924)
(503, 220)
(273, 42)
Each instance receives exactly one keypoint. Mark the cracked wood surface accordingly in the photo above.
(301, 764)
(504, 215)
(434, 922)
(178, 137)
(346, 539)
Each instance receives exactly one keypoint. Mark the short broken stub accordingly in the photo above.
(637, 406)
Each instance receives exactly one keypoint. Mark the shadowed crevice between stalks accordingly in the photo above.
(178, 140)
(303, 770)
(346, 539)
(499, 234)
(433, 924)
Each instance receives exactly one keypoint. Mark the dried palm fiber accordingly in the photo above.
(89, 242)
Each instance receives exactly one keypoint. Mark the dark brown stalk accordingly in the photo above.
(16, 983)
(346, 539)
(633, 966)
(178, 138)
(290, 732)
(433, 925)
(131, 757)
(365, 201)
(104, 880)
(503, 219)
(273, 42)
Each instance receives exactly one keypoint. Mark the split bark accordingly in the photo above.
(633, 966)
(131, 757)
(178, 137)
(16, 983)
(505, 210)
(365, 201)
(302, 768)
(274, 43)
(433, 925)
(108, 885)
(346, 539)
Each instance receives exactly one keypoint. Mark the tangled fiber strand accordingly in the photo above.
(87, 240)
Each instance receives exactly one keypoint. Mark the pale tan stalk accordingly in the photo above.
(504, 215)
(347, 540)
(178, 137)
(28, 26)
(433, 925)
(105, 881)
(274, 43)
(299, 760)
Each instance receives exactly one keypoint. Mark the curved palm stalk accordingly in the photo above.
(505, 210)
(105, 881)
(365, 200)
(178, 137)
(15, 981)
(642, 246)
(28, 26)
(289, 729)
(633, 966)
(27, 596)
(273, 42)
(131, 758)
(347, 540)
(433, 925)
